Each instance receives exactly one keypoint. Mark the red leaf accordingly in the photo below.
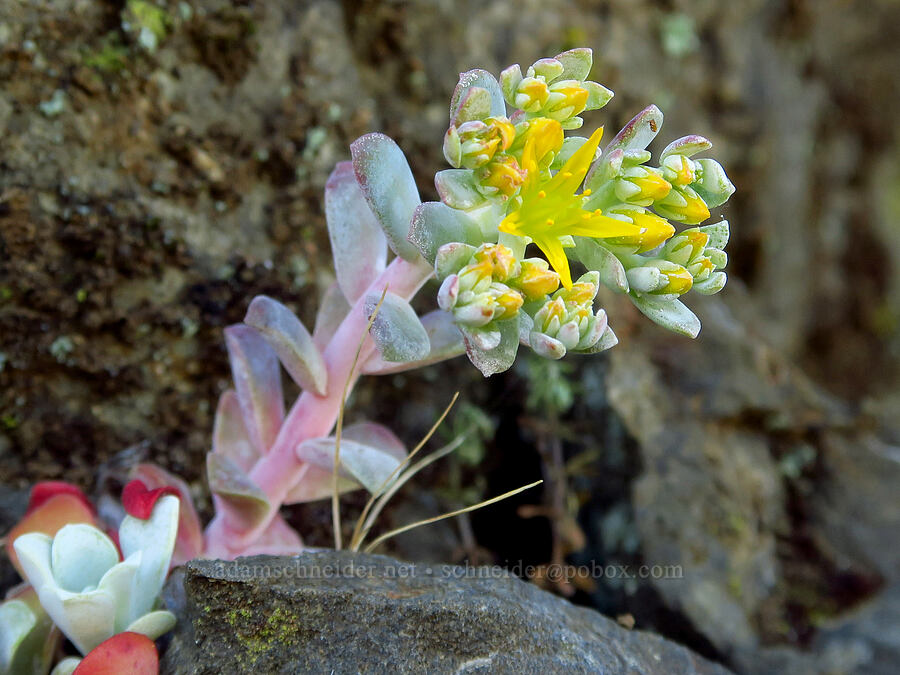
(130, 653)
(43, 491)
(139, 501)
(49, 516)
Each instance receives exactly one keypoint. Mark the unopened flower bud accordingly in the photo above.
(641, 186)
(654, 230)
(684, 205)
(567, 98)
(473, 144)
(535, 279)
(501, 258)
(503, 176)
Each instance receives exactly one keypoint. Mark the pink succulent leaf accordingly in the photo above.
(397, 331)
(435, 224)
(369, 465)
(358, 244)
(234, 492)
(189, 541)
(290, 340)
(230, 436)
(483, 80)
(378, 436)
(637, 134)
(332, 310)
(387, 182)
(444, 337)
(315, 483)
(257, 380)
(279, 538)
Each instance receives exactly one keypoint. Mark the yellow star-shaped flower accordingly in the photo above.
(551, 209)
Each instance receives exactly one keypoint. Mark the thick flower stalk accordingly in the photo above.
(523, 210)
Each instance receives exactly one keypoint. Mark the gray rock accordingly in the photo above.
(341, 612)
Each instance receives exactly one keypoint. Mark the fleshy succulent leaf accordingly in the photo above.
(257, 380)
(475, 104)
(387, 183)
(597, 257)
(189, 541)
(714, 187)
(47, 518)
(397, 331)
(369, 465)
(686, 145)
(501, 357)
(290, 340)
(44, 490)
(445, 343)
(153, 624)
(576, 63)
(28, 638)
(240, 496)
(718, 234)
(457, 188)
(450, 258)
(131, 653)
(712, 285)
(358, 243)
(670, 314)
(154, 538)
(637, 134)
(138, 500)
(483, 80)
(435, 224)
(333, 309)
(230, 436)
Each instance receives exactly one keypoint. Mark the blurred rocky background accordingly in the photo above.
(161, 162)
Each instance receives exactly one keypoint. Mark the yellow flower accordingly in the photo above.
(552, 209)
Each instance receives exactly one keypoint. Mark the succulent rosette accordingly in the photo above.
(91, 592)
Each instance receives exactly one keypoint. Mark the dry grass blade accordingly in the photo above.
(428, 521)
(359, 535)
(356, 539)
(335, 493)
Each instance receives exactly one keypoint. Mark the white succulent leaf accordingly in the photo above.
(155, 539)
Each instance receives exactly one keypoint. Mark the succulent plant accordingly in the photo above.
(85, 587)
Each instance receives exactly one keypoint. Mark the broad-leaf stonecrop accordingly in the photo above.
(531, 221)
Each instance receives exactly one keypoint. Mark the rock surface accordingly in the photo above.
(340, 612)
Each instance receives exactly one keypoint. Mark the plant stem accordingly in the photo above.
(314, 416)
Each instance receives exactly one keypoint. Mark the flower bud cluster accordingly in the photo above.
(567, 322)
(478, 293)
(474, 143)
(686, 261)
(555, 88)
